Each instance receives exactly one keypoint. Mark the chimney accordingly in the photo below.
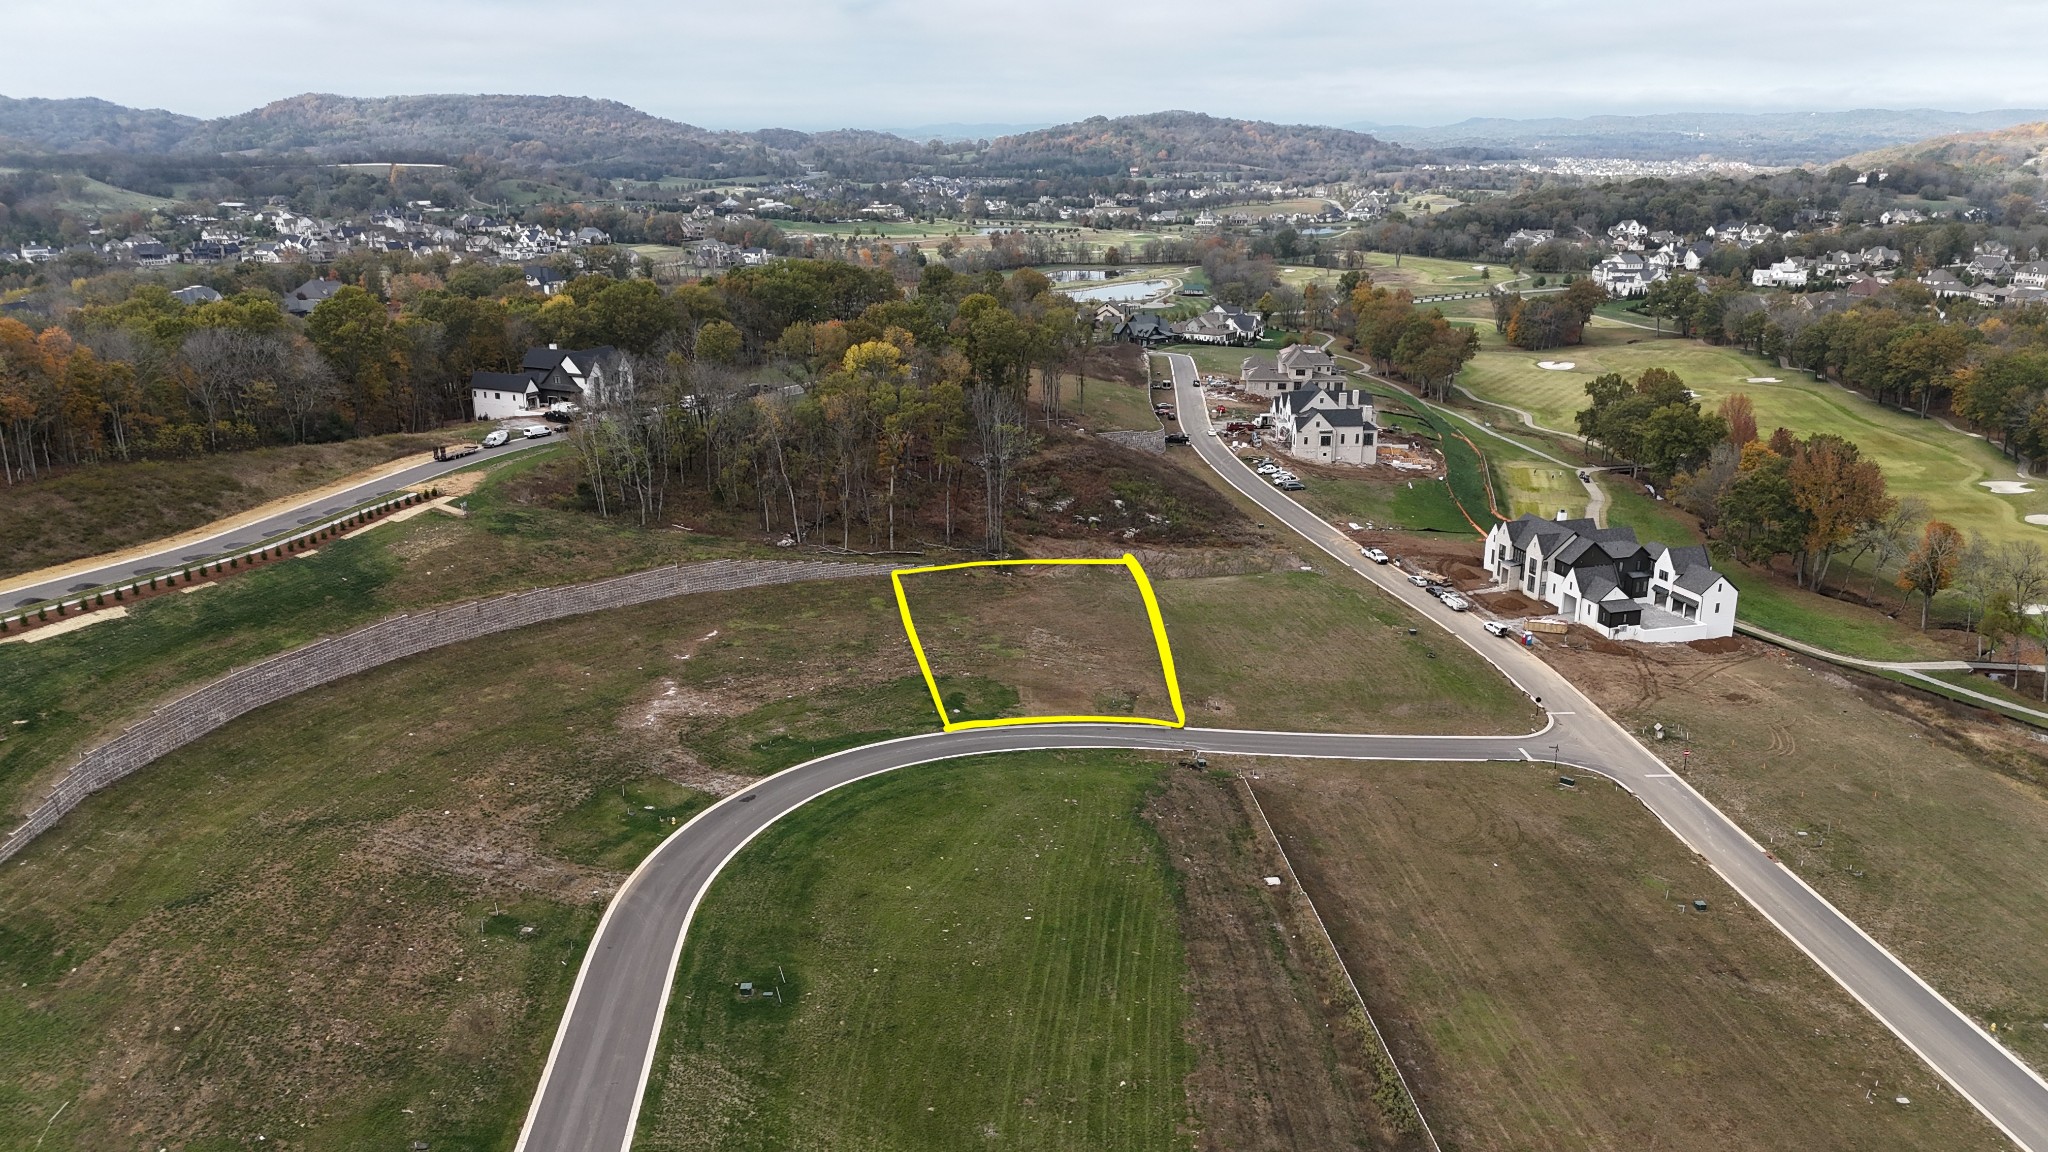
(1560, 512)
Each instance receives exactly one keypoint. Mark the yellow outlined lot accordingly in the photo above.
(1128, 563)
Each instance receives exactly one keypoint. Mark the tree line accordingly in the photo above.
(906, 416)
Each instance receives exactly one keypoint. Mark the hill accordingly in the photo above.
(1759, 138)
(1176, 142)
(90, 125)
(1999, 152)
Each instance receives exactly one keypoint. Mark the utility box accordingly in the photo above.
(1699, 905)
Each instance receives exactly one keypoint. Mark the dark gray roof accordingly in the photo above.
(501, 381)
(1697, 579)
(1338, 417)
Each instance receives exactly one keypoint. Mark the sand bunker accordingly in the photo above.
(1761, 380)
(2038, 518)
(2005, 487)
(1556, 365)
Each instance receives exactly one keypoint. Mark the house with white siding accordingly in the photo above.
(1297, 366)
(1326, 426)
(1602, 578)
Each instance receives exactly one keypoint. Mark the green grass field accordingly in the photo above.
(1919, 457)
(315, 923)
(981, 953)
(1426, 275)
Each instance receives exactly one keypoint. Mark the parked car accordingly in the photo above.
(1418, 581)
(1375, 555)
(496, 438)
(1454, 602)
(536, 431)
(1176, 437)
(1494, 627)
(1291, 485)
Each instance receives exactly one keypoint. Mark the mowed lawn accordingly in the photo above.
(1531, 954)
(975, 954)
(1920, 457)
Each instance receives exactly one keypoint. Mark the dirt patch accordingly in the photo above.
(1716, 646)
(1512, 604)
(1278, 1064)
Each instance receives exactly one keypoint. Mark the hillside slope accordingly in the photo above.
(91, 125)
(1757, 137)
(1190, 142)
(2005, 150)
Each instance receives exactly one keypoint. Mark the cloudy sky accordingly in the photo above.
(902, 63)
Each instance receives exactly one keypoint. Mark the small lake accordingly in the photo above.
(1130, 292)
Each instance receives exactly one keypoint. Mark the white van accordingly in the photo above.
(536, 431)
(496, 438)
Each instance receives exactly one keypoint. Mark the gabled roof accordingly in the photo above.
(503, 381)
(1338, 417)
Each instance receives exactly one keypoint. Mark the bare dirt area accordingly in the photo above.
(1925, 821)
(1531, 954)
(1280, 1063)
(1073, 640)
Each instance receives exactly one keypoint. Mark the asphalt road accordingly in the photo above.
(2006, 1091)
(309, 511)
(596, 1075)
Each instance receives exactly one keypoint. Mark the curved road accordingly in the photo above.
(307, 511)
(591, 1089)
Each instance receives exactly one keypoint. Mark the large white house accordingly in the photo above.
(1626, 274)
(1602, 578)
(1297, 366)
(1326, 425)
(548, 376)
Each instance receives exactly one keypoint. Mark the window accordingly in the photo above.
(1326, 440)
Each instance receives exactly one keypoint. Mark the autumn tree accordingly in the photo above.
(1931, 567)
(1838, 494)
(1740, 415)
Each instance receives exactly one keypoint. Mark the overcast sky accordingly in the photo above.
(900, 63)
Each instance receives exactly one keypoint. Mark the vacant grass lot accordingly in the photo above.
(1532, 957)
(981, 953)
(1920, 457)
(350, 920)
(1923, 822)
(1239, 643)
(103, 508)
(1073, 640)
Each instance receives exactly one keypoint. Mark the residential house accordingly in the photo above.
(308, 296)
(1524, 238)
(2033, 274)
(1791, 272)
(543, 279)
(1989, 266)
(1944, 283)
(1694, 256)
(1879, 256)
(196, 294)
(1223, 324)
(1629, 234)
(1326, 425)
(1297, 366)
(1602, 578)
(1145, 328)
(1626, 274)
(1902, 216)
(593, 236)
(549, 376)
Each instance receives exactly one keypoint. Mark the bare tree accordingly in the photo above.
(1001, 439)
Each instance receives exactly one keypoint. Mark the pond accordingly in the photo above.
(1128, 292)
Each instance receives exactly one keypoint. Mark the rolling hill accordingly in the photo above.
(1165, 142)
(2006, 150)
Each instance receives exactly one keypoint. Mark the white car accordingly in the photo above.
(1267, 469)
(496, 438)
(1454, 602)
(1418, 581)
(536, 431)
(1494, 627)
(1376, 556)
